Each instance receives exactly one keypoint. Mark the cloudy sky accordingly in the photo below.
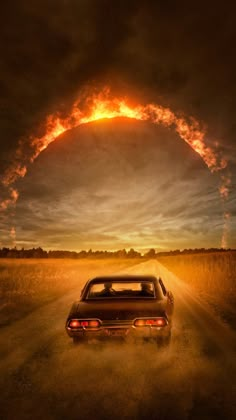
(117, 183)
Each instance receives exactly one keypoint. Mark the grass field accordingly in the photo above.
(27, 284)
(213, 276)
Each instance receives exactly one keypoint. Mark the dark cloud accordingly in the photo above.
(186, 55)
(50, 50)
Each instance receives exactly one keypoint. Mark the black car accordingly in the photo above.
(130, 306)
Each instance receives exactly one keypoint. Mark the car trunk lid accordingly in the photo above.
(121, 310)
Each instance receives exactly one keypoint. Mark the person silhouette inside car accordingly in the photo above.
(107, 291)
(146, 290)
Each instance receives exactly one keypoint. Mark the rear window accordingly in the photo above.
(116, 289)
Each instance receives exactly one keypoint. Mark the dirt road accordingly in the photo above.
(43, 376)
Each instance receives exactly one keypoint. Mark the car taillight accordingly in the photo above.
(94, 324)
(74, 324)
(153, 322)
(83, 323)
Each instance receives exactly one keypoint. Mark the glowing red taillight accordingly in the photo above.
(94, 324)
(139, 323)
(83, 323)
(153, 322)
(74, 324)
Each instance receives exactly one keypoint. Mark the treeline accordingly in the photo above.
(122, 253)
(40, 253)
(192, 251)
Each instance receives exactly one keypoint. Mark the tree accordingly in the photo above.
(151, 253)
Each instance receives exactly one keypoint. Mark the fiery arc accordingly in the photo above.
(105, 106)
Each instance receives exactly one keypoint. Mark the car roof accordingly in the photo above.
(124, 278)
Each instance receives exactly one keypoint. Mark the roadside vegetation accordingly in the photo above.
(29, 283)
(212, 275)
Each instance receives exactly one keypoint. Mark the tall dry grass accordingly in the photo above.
(213, 276)
(211, 272)
(27, 284)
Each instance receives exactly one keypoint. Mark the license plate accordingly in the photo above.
(118, 332)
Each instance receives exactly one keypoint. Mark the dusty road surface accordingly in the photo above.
(44, 376)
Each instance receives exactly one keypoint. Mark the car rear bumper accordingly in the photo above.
(124, 330)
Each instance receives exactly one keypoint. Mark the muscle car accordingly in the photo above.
(131, 307)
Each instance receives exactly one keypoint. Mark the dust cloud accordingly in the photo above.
(118, 380)
(45, 376)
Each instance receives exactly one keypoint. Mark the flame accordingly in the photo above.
(13, 173)
(226, 220)
(224, 188)
(104, 106)
(13, 233)
(13, 197)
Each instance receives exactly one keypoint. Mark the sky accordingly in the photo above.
(117, 183)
